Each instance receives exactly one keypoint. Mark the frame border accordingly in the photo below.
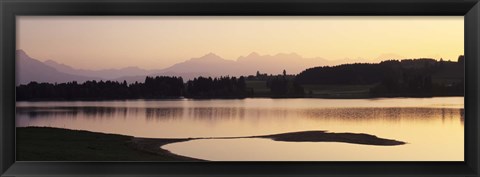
(9, 9)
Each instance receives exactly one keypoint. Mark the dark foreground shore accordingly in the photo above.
(56, 144)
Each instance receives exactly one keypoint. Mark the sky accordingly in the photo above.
(156, 42)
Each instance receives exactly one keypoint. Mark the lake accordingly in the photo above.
(433, 128)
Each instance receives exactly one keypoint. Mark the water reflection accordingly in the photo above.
(227, 113)
(462, 116)
(433, 127)
(87, 112)
(163, 113)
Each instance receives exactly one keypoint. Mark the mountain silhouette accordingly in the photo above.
(104, 74)
(215, 66)
(275, 64)
(29, 69)
(209, 65)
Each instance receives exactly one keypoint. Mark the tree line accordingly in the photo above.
(153, 88)
(223, 87)
(392, 78)
(430, 78)
(284, 86)
(419, 77)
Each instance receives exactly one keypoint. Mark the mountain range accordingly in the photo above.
(30, 69)
(209, 65)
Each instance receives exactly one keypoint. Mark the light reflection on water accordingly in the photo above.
(428, 124)
(222, 113)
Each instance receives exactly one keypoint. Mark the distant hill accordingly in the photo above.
(371, 73)
(408, 77)
(30, 69)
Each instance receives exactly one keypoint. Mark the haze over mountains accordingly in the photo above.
(105, 74)
(31, 69)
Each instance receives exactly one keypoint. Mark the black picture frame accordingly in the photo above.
(9, 9)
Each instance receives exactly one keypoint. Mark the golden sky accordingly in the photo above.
(155, 42)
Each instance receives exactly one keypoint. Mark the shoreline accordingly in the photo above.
(154, 146)
(59, 144)
(241, 98)
(36, 143)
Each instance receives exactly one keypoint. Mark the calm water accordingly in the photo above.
(432, 127)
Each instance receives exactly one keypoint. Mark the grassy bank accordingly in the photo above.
(55, 144)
